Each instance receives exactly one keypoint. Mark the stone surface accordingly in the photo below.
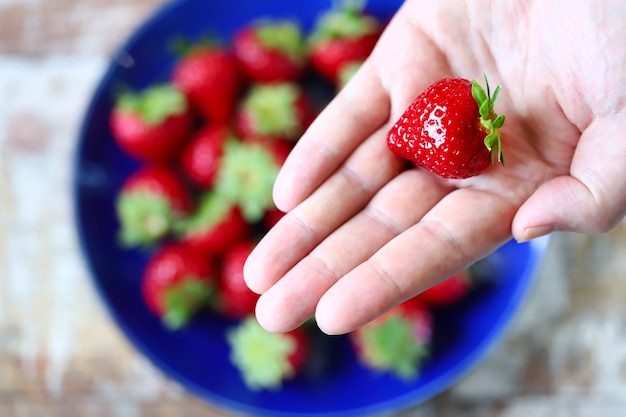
(60, 354)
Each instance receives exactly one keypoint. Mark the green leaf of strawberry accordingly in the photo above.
(284, 36)
(246, 178)
(183, 300)
(489, 119)
(261, 357)
(272, 109)
(145, 217)
(155, 104)
(397, 342)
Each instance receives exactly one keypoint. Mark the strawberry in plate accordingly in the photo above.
(342, 36)
(271, 51)
(201, 156)
(246, 178)
(450, 129)
(266, 360)
(209, 76)
(214, 227)
(274, 111)
(448, 292)
(152, 124)
(235, 299)
(397, 342)
(149, 204)
(177, 283)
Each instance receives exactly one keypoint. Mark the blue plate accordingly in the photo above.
(197, 357)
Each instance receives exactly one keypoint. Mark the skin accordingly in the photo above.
(365, 235)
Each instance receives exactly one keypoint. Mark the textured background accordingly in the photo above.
(60, 354)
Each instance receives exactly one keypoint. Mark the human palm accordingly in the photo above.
(362, 234)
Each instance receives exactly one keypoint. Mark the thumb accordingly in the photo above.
(564, 204)
(592, 199)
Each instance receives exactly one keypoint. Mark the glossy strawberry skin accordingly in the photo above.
(200, 159)
(211, 80)
(146, 142)
(448, 292)
(169, 267)
(441, 131)
(236, 300)
(331, 56)
(262, 64)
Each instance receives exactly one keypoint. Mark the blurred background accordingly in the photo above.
(61, 355)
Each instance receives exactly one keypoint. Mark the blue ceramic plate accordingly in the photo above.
(197, 357)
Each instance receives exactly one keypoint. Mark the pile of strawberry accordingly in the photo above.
(210, 140)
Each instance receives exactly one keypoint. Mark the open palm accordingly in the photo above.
(361, 234)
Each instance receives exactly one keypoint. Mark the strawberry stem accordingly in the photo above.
(489, 120)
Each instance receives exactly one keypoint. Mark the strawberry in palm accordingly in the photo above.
(235, 299)
(149, 204)
(214, 227)
(151, 125)
(451, 129)
(210, 78)
(177, 283)
(397, 342)
(342, 37)
(271, 51)
(266, 360)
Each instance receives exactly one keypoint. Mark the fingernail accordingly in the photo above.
(534, 232)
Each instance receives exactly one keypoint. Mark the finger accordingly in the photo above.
(338, 199)
(355, 113)
(381, 90)
(464, 227)
(399, 205)
(592, 198)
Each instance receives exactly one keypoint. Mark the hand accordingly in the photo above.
(362, 235)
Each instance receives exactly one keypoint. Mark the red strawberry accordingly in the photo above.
(342, 37)
(214, 227)
(210, 78)
(235, 298)
(151, 125)
(274, 111)
(149, 204)
(201, 157)
(246, 178)
(271, 51)
(176, 284)
(447, 292)
(396, 342)
(266, 360)
(450, 129)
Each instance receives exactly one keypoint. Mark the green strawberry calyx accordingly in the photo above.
(345, 21)
(212, 209)
(246, 178)
(184, 299)
(261, 357)
(272, 109)
(390, 345)
(489, 120)
(144, 217)
(284, 36)
(155, 104)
